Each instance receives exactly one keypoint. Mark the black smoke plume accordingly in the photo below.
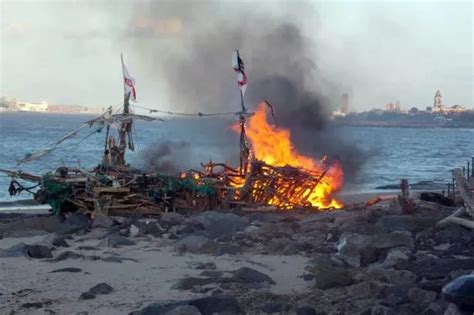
(166, 157)
(280, 61)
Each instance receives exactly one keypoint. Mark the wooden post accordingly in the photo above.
(472, 166)
(468, 175)
(404, 199)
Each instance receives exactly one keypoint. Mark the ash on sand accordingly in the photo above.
(362, 261)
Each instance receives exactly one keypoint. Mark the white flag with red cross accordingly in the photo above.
(128, 83)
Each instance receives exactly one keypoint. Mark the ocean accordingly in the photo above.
(419, 154)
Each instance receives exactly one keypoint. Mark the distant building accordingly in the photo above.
(32, 107)
(437, 105)
(67, 109)
(455, 109)
(393, 107)
(345, 103)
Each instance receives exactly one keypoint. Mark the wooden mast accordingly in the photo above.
(244, 149)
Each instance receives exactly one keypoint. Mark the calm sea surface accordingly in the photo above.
(416, 154)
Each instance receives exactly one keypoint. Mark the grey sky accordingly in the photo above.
(68, 52)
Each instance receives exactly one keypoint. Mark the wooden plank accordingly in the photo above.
(463, 188)
(112, 190)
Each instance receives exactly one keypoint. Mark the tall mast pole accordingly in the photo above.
(126, 126)
(238, 66)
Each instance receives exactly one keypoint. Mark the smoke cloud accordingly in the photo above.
(280, 61)
(167, 157)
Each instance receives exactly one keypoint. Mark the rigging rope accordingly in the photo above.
(198, 114)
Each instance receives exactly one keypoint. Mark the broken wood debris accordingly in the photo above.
(463, 189)
(122, 190)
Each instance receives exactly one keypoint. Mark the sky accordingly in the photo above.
(68, 51)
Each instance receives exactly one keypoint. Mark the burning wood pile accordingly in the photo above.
(283, 187)
(271, 171)
(274, 175)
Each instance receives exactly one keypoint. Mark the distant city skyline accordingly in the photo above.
(68, 52)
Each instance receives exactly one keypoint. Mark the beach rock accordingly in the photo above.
(102, 221)
(378, 310)
(190, 282)
(437, 307)
(117, 259)
(54, 240)
(101, 288)
(359, 250)
(366, 290)
(88, 248)
(184, 310)
(78, 221)
(397, 295)
(454, 309)
(397, 256)
(17, 250)
(217, 304)
(249, 275)
(206, 266)
(115, 240)
(276, 245)
(391, 275)
(436, 198)
(87, 296)
(420, 297)
(330, 277)
(391, 223)
(59, 241)
(68, 269)
(196, 244)
(276, 307)
(37, 304)
(38, 251)
(227, 249)
(171, 218)
(218, 224)
(460, 291)
(306, 310)
(212, 273)
(432, 267)
(67, 255)
(252, 230)
(264, 217)
(157, 308)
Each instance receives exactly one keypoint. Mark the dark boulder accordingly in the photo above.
(217, 304)
(436, 198)
(67, 255)
(17, 250)
(306, 310)
(249, 275)
(190, 282)
(68, 269)
(101, 288)
(38, 251)
(115, 240)
(460, 291)
(227, 249)
(276, 307)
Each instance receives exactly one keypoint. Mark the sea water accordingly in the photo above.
(391, 153)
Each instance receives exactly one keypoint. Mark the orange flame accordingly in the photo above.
(273, 146)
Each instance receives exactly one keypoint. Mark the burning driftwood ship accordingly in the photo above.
(271, 172)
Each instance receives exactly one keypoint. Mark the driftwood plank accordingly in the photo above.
(462, 186)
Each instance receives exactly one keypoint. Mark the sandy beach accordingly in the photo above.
(286, 262)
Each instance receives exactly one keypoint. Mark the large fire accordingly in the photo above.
(273, 146)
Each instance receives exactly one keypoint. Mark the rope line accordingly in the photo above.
(198, 114)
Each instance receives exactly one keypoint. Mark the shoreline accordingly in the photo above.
(236, 262)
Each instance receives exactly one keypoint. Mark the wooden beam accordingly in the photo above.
(462, 186)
